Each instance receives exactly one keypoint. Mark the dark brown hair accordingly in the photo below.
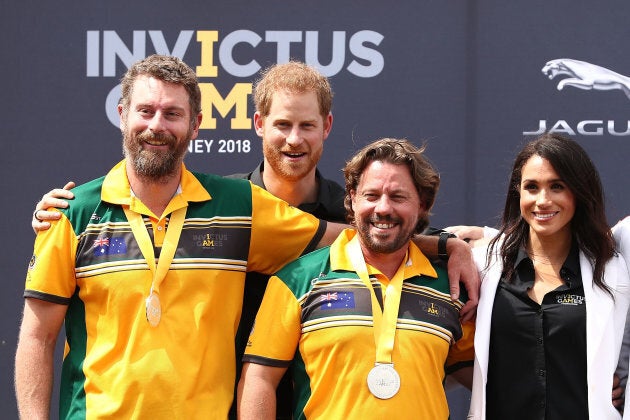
(398, 152)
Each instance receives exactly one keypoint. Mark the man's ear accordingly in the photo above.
(328, 122)
(259, 120)
(122, 124)
(196, 125)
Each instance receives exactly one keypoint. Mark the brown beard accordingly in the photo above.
(152, 164)
(363, 229)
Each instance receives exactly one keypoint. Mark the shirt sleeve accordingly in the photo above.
(622, 239)
(277, 329)
(462, 353)
(51, 274)
(280, 232)
(620, 232)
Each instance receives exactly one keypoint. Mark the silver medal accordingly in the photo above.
(383, 381)
(154, 309)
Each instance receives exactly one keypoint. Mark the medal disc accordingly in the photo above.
(154, 309)
(383, 381)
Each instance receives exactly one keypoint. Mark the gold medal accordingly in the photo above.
(154, 309)
(383, 381)
(173, 232)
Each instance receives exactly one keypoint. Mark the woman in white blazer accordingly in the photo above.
(554, 294)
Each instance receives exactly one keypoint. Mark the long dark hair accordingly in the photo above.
(589, 226)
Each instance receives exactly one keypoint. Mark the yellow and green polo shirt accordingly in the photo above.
(316, 318)
(116, 365)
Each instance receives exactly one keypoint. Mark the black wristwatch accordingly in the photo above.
(442, 244)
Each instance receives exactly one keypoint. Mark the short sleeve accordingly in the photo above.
(280, 232)
(462, 353)
(51, 271)
(277, 329)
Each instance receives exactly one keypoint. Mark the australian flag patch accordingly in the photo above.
(336, 300)
(109, 246)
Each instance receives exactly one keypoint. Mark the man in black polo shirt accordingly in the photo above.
(293, 118)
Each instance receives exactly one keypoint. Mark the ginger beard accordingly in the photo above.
(289, 163)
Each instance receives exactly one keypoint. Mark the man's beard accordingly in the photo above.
(293, 173)
(382, 246)
(155, 165)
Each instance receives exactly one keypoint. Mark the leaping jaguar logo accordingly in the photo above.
(587, 76)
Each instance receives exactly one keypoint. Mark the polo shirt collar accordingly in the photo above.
(572, 262)
(116, 190)
(324, 196)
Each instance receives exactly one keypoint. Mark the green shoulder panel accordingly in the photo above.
(87, 198)
(229, 196)
(299, 274)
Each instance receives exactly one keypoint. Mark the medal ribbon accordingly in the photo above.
(171, 239)
(385, 320)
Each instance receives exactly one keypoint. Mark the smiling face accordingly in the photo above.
(386, 207)
(547, 204)
(157, 127)
(293, 134)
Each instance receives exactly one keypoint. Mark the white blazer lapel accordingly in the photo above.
(484, 314)
(490, 280)
(598, 309)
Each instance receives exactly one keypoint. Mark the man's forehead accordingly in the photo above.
(378, 173)
(149, 88)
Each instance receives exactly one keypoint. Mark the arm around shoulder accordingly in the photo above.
(55, 198)
(461, 268)
(332, 231)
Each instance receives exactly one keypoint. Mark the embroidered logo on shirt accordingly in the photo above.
(434, 310)
(31, 263)
(210, 240)
(337, 300)
(567, 299)
(315, 279)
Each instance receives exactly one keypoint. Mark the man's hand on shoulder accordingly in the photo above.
(55, 198)
(461, 268)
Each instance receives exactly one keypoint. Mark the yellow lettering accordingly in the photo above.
(208, 243)
(237, 99)
(207, 40)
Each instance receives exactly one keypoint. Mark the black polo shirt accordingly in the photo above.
(329, 204)
(537, 359)
(329, 207)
